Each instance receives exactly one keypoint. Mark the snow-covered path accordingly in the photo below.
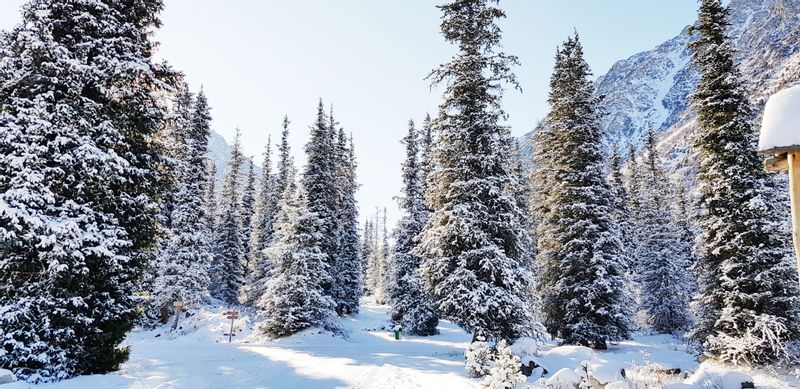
(370, 358)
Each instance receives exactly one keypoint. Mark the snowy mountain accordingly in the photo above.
(220, 151)
(651, 89)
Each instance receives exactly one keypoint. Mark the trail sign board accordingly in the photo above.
(232, 316)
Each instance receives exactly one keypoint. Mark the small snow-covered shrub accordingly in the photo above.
(478, 358)
(564, 379)
(526, 347)
(504, 373)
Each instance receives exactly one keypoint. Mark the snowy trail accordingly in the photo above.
(370, 358)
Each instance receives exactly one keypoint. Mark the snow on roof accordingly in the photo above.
(780, 129)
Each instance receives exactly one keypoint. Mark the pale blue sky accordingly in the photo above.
(259, 60)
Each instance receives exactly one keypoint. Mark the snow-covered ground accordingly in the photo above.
(368, 358)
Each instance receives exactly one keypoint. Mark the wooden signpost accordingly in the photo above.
(780, 141)
(232, 316)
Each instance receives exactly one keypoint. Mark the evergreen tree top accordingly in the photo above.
(471, 24)
(478, 71)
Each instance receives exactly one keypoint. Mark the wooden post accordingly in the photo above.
(178, 304)
(231, 315)
(230, 333)
(794, 194)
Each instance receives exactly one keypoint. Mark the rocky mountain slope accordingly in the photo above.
(220, 152)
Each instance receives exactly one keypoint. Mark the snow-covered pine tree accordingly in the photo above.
(78, 217)
(748, 295)
(478, 358)
(320, 188)
(634, 187)
(617, 181)
(266, 206)
(366, 253)
(336, 161)
(201, 123)
(210, 194)
(684, 218)
(635, 191)
(348, 270)
(387, 260)
(184, 262)
(662, 252)
(260, 265)
(294, 299)
(377, 261)
(411, 306)
(505, 372)
(227, 272)
(589, 276)
(248, 213)
(136, 107)
(178, 120)
(519, 186)
(622, 212)
(474, 243)
(545, 221)
(284, 160)
(426, 161)
(521, 189)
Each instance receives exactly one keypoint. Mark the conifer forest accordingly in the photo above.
(642, 233)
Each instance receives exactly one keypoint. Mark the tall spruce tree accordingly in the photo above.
(617, 181)
(748, 297)
(663, 254)
(545, 221)
(172, 139)
(634, 187)
(210, 195)
(588, 288)
(320, 189)
(348, 270)
(266, 204)
(632, 235)
(426, 162)
(294, 298)
(411, 306)
(377, 262)
(387, 260)
(474, 243)
(78, 217)
(622, 210)
(248, 213)
(227, 272)
(284, 160)
(260, 266)
(684, 218)
(366, 253)
(183, 264)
